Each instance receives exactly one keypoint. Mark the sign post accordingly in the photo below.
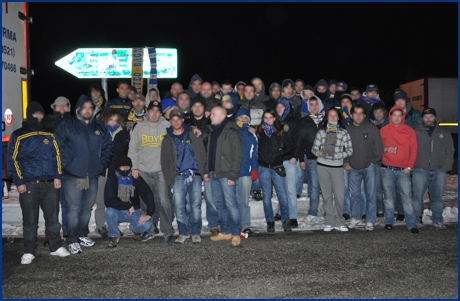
(104, 87)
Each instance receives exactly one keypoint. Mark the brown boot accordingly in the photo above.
(221, 237)
(214, 231)
(236, 241)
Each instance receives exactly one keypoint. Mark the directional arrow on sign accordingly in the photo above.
(116, 63)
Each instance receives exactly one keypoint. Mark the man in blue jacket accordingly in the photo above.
(86, 149)
(35, 166)
(248, 170)
(122, 102)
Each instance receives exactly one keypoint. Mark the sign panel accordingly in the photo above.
(116, 63)
(8, 117)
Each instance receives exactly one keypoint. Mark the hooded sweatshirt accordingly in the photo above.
(294, 100)
(86, 149)
(235, 89)
(250, 145)
(145, 145)
(404, 139)
(367, 145)
(323, 96)
(147, 98)
(189, 90)
(271, 103)
(306, 111)
(262, 97)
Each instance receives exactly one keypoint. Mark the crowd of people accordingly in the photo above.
(144, 160)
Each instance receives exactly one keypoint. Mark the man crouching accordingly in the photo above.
(123, 206)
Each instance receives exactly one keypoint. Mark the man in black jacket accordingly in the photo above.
(122, 102)
(209, 98)
(35, 166)
(367, 151)
(198, 118)
(123, 205)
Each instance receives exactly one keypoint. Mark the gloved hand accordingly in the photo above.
(189, 176)
(254, 175)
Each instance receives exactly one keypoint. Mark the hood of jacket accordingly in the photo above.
(273, 86)
(305, 90)
(323, 96)
(189, 90)
(147, 99)
(32, 108)
(236, 86)
(262, 97)
(394, 109)
(320, 103)
(243, 112)
(234, 98)
(287, 109)
(80, 103)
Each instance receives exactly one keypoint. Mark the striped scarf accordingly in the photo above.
(125, 186)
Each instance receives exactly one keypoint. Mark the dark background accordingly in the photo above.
(359, 43)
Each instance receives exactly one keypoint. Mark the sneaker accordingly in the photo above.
(181, 239)
(400, 217)
(75, 248)
(389, 227)
(439, 226)
(346, 216)
(271, 227)
(113, 242)
(221, 237)
(355, 223)
(61, 252)
(257, 195)
(341, 228)
(369, 227)
(277, 217)
(27, 258)
(380, 214)
(287, 226)
(327, 228)
(196, 239)
(363, 217)
(294, 223)
(86, 242)
(146, 236)
(236, 241)
(155, 228)
(103, 231)
(420, 225)
(248, 231)
(298, 196)
(414, 230)
(169, 240)
(214, 231)
(309, 218)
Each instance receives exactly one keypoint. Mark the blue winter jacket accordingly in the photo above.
(250, 152)
(33, 155)
(86, 149)
(124, 105)
(412, 118)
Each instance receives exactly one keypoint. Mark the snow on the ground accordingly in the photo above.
(12, 216)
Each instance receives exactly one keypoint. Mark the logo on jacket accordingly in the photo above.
(97, 132)
(152, 141)
(365, 136)
(441, 136)
(46, 141)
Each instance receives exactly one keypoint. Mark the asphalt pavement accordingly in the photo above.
(308, 264)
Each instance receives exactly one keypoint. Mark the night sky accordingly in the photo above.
(359, 43)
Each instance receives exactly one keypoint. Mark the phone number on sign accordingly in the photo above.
(9, 66)
(8, 51)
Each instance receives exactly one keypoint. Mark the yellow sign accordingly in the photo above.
(137, 69)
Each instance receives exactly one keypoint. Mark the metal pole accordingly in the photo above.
(104, 86)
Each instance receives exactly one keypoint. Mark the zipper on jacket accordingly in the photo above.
(89, 149)
(41, 155)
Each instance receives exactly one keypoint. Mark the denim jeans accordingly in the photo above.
(313, 187)
(391, 180)
(225, 199)
(114, 217)
(269, 178)
(164, 211)
(292, 176)
(63, 211)
(188, 222)
(40, 195)
(256, 185)
(434, 181)
(79, 206)
(243, 191)
(347, 197)
(99, 213)
(355, 178)
(379, 185)
(211, 211)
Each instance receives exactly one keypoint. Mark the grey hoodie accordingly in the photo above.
(148, 98)
(145, 145)
(262, 97)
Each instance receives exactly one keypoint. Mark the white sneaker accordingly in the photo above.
(309, 218)
(341, 229)
(181, 239)
(75, 248)
(354, 223)
(27, 258)
(61, 252)
(328, 228)
(369, 227)
(86, 242)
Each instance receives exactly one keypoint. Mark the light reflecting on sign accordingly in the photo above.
(116, 63)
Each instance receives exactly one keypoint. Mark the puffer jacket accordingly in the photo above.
(250, 148)
(273, 150)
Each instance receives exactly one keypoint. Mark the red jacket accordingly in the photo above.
(402, 137)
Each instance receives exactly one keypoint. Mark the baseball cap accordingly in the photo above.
(154, 104)
(429, 111)
(372, 87)
(343, 85)
(139, 96)
(399, 94)
(176, 113)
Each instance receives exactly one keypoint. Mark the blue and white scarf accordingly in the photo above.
(125, 186)
(268, 128)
